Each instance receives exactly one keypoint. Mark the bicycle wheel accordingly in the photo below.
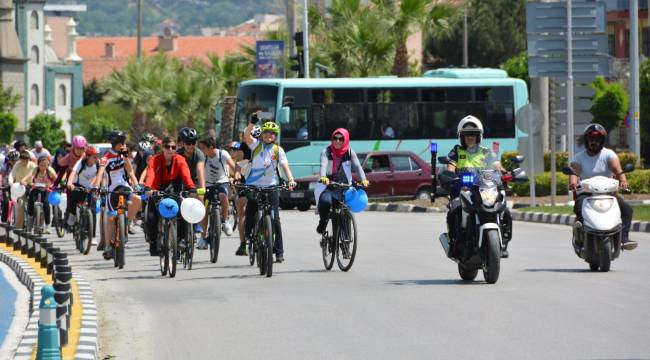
(173, 248)
(232, 211)
(260, 254)
(268, 245)
(164, 246)
(143, 221)
(122, 234)
(76, 233)
(102, 234)
(189, 247)
(214, 233)
(347, 240)
(37, 227)
(86, 230)
(328, 247)
(251, 251)
(58, 222)
(12, 214)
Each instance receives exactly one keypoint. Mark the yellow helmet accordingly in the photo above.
(271, 126)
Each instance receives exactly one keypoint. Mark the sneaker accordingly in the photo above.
(505, 254)
(108, 252)
(227, 228)
(198, 228)
(279, 259)
(629, 245)
(47, 231)
(202, 244)
(241, 251)
(322, 224)
(100, 247)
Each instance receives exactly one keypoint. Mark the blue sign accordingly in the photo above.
(270, 59)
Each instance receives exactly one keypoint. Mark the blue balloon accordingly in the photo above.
(168, 208)
(98, 207)
(350, 194)
(54, 198)
(360, 201)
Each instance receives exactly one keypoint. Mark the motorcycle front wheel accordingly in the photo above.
(492, 262)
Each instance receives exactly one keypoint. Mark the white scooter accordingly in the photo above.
(597, 239)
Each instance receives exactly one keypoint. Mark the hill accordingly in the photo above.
(118, 17)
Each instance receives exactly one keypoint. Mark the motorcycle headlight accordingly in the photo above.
(489, 196)
(602, 205)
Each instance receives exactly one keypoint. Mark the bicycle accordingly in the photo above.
(82, 230)
(170, 253)
(10, 216)
(120, 235)
(214, 222)
(262, 240)
(36, 222)
(57, 215)
(342, 244)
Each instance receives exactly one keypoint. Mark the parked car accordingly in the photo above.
(392, 174)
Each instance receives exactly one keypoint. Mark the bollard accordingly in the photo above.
(45, 246)
(3, 237)
(48, 333)
(37, 248)
(57, 263)
(23, 244)
(50, 259)
(9, 239)
(30, 245)
(62, 298)
(17, 243)
(63, 277)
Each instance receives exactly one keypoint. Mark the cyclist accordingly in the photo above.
(10, 160)
(62, 151)
(43, 178)
(39, 151)
(66, 162)
(471, 156)
(194, 157)
(336, 162)
(218, 166)
(145, 151)
(83, 175)
(597, 160)
(21, 146)
(266, 158)
(166, 170)
(117, 166)
(242, 157)
(22, 172)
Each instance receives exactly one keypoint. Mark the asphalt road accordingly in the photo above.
(402, 300)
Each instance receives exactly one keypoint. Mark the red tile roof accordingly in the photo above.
(97, 65)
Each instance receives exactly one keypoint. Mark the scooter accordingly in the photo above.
(477, 240)
(597, 239)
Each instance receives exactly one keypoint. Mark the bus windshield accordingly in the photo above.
(254, 98)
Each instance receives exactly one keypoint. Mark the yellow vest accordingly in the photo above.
(467, 160)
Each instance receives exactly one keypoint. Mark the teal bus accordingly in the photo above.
(418, 110)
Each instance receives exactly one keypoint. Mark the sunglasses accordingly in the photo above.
(170, 147)
(338, 138)
(190, 143)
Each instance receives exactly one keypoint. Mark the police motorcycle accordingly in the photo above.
(597, 240)
(479, 233)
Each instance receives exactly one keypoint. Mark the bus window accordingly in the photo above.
(433, 95)
(337, 108)
(299, 124)
(254, 98)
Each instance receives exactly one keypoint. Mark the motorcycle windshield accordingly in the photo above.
(479, 176)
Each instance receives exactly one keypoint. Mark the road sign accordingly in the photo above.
(584, 67)
(550, 17)
(583, 44)
(527, 116)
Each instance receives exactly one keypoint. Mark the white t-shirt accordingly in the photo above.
(597, 165)
(43, 153)
(264, 166)
(216, 168)
(86, 176)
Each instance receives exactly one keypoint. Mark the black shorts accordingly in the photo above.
(113, 199)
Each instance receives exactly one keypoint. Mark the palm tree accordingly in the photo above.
(407, 16)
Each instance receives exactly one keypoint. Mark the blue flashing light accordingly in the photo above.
(467, 179)
(434, 147)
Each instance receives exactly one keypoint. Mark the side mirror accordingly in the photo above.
(568, 171)
(519, 175)
(519, 159)
(628, 168)
(284, 115)
(448, 177)
(444, 160)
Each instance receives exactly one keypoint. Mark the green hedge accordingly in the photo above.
(562, 159)
(639, 181)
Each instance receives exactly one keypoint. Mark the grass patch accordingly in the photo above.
(641, 212)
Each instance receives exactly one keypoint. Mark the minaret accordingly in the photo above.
(72, 42)
(12, 59)
(50, 54)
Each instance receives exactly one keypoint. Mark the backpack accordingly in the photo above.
(276, 152)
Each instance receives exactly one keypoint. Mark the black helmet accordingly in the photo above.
(116, 137)
(188, 135)
(13, 155)
(597, 132)
(148, 137)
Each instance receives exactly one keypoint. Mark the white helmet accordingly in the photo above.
(470, 124)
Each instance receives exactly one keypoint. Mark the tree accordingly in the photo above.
(610, 103)
(497, 31)
(8, 100)
(8, 122)
(96, 120)
(517, 67)
(46, 128)
(92, 93)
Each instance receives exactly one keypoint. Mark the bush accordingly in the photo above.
(46, 128)
(8, 122)
(94, 120)
(627, 158)
(561, 160)
(638, 180)
(508, 159)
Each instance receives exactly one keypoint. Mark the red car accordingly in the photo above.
(392, 174)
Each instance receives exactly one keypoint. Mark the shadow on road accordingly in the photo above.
(435, 282)
(256, 275)
(559, 270)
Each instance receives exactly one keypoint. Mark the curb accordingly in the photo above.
(538, 217)
(87, 347)
(32, 280)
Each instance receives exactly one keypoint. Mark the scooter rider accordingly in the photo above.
(597, 160)
(469, 156)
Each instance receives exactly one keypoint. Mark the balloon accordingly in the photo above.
(192, 210)
(168, 208)
(356, 200)
(54, 198)
(17, 190)
(63, 203)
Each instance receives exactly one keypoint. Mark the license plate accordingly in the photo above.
(296, 195)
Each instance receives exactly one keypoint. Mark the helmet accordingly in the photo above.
(79, 141)
(13, 155)
(235, 145)
(116, 137)
(188, 135)
(271, 126)
(470, 125)
(148, 137)
(595, 131)
(91, 151)
(144, 146)
(256, 132)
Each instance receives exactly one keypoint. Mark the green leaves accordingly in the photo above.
(8, 100)
(610, 103)
(46, 128)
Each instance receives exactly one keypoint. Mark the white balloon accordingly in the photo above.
(64, 202)
(17, 190)
(192, 210)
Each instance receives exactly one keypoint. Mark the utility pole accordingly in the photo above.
(291, 24)
(465, 40)
(305, 40)
(634, 79)
(569, 82)
(139, 31)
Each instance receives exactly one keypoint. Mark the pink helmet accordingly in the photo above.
(79, 141)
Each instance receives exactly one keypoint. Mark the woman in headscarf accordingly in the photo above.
(336, 163)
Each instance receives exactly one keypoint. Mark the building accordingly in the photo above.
(618, 28)
(47, 81)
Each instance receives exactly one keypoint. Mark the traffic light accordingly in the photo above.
(298, 63)
(297, 37)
